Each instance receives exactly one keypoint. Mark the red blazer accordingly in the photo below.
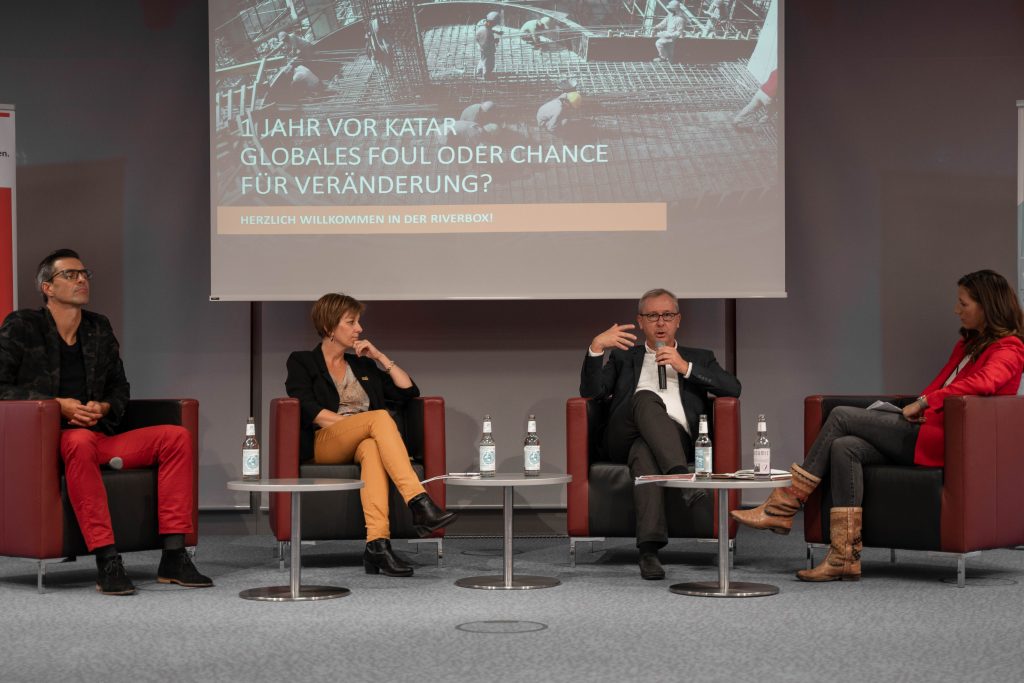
(996, 372)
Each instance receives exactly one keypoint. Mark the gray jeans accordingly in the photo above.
(852, 438)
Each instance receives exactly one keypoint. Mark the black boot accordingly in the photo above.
(650, 567)
(427, 517)
(111, 578)
(379, 558)
(176, 567)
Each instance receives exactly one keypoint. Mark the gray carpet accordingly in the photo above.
(901, 622)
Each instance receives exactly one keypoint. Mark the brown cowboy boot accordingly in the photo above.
(843, 559)
(777, 512)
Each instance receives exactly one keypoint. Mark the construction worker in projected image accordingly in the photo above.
(378, 45)
(559, 112)
(304, 81)
(487, 41)
(292, 83)
(668, 31)
(480, 113)
(295, 46)
(534, 28)
(567, 85)
(760, 107)
(717, 12)
(467, 133)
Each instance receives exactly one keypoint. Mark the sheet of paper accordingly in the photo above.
(651, 478)
(453, 475)
(885, 407)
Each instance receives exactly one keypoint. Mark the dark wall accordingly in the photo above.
(900, 163)
(116, 92)
(900, 160)
(60, 204)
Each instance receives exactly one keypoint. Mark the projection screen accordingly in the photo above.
(1020, 198)
(403, 149)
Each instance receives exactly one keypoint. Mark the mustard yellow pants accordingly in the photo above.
(372, 440)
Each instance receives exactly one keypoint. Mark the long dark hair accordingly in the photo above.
(1002, 310)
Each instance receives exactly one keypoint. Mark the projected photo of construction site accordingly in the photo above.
(682, 96)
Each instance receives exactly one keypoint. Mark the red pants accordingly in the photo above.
(169, 447)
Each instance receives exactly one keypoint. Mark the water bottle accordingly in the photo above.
(488, 451)
(702, 449)
(250, 452)
(762, 450)
(531, 449)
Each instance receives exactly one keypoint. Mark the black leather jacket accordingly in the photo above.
(310, 382)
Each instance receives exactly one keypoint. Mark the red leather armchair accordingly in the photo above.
(974, 503)
(36, 518)
(600, 495)
(339, 516)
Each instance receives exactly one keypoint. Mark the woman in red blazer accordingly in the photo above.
(987, 361)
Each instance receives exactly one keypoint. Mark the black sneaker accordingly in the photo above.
(176, 567)
(111, 578)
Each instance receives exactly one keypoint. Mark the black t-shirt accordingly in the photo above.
(72, 371)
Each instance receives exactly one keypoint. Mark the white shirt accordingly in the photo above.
(649, 382)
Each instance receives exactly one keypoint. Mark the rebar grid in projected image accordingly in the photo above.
(668, 127)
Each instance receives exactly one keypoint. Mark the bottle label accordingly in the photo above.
(250, 462)
(250, 429)
(531, 426)
(703, 460)
(762, 460)
(487, 426)
(531, 457)
(762, 427)
(487, 454)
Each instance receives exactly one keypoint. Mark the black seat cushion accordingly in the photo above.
(902, 507)
(612, 513)
(339, 514)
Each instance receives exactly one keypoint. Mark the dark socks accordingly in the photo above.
(648, 547)
(105, 552)
(174, 542)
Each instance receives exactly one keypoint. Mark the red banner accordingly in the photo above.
(7, 220)
(6, 252)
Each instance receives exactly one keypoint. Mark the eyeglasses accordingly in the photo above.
(71, 274)
(653, 317)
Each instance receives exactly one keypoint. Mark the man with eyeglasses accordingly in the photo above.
(649, 428)
(66, 353)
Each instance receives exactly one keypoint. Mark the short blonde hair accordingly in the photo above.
(330, 309)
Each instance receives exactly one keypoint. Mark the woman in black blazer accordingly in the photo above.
(342, 386)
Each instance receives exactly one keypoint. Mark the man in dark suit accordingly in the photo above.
(650, 428)
(68, 354)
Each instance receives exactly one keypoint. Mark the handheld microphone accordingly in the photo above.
(662, 378)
